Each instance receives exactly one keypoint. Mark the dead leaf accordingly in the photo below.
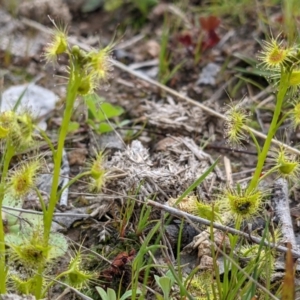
(77, 156)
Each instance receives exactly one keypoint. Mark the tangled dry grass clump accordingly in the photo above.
(166, 173)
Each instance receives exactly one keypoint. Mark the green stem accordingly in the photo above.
(10, 151)
(48, 286)
(2, 257)
(46, 138)
(39, 283)
(73, 85)
(282, 120)
(283, 87)
(74, 179)
(255, 141)
(41, 200)
(268, 173)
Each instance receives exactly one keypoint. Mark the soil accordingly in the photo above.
(166, 142)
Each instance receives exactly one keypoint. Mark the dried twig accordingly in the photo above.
(34, 212)
(280, 201)
(190, 218)
(228, 171)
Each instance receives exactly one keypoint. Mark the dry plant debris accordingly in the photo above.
(174, 117)
(159, 176)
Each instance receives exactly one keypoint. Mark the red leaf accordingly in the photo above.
(211, 40)
(280, 19)
(185, 39)
(210, 23)
(123, 258)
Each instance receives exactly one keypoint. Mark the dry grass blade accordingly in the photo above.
(190, 218)
(288, 286)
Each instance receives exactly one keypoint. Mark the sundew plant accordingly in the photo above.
(283, 64)
(26, 258)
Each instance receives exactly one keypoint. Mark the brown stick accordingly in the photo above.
(190, 218)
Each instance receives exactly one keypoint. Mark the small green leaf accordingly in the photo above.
(111, 294)
(159, 297)
(128, 294)
(91, 102)
(73, 126)
(91, 123)
(170, 275)
(99, 110)
(104, 128)
(108, 111)
(102, 293)
(111, 5)
(165, 284)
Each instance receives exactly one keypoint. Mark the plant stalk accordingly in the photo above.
(39, 283)
(283, 87)
(10, 151)
(73, 85)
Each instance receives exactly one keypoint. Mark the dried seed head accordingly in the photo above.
(187, 204)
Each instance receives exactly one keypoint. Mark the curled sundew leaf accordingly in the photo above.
(18, 222)
(31, 250)
(21, 226)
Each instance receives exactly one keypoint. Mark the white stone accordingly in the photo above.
(36, 99)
